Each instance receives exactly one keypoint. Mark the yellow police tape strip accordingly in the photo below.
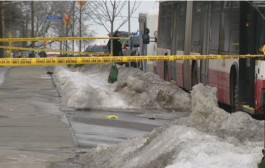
(60, 51)
(57, 38)
(96, 60)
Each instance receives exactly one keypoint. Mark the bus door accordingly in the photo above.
(247, 41)
(174, 42)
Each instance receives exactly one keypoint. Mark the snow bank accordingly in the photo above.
(172, 147)
(87, 91)
(3, 71)
(87, 88)
(177, 146)
(208, 117)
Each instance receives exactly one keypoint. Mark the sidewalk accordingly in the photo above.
(33, 131)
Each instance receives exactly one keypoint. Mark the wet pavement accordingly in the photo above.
(34, 132)
(92, 128)
(37, 132)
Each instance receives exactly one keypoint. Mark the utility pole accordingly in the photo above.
(73, 30)
(32, 25)
(80, 17)
(129, 30)
(1, 28)
(26, 34)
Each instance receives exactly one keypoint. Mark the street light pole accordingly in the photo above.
(32, 25)
(129, 30)
(80, 28)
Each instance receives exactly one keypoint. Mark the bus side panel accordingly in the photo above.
(179, 74)
(219, 77)
(160, 64)
(160, 68)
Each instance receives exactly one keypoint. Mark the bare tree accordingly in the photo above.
(105, 12)
(16, 16)
(73, 30)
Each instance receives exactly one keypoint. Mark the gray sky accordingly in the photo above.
(144, 7)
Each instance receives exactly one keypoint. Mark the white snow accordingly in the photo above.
(89, 89)
(3, 71)
(207, 138)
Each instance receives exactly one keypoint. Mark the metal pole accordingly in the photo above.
(73, 45)
(129, 30)
(32, 26)
(44, 27)
(187, 44)
(80, 28)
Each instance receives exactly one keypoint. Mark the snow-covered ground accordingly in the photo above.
(3, 71)
(88, 89)
(208, 138)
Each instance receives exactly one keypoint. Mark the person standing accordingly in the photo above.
(19, 54)
(116, 44)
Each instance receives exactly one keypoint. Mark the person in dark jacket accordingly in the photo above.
(116, 44)
(42, 54)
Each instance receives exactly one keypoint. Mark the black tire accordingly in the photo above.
(235, 104)
(233, 90)
(194, 79)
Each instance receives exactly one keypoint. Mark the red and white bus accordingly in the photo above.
(211, 28)
(52, 54)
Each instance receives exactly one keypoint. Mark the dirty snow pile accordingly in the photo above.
(231, 142)
(3, 71)
(208, 117)
(88, 88)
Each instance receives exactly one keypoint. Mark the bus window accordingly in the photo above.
(162, 25)
(215, 24)
(260, 33)
(225, 28)
(168, 25)
(181, 26)
(234, 34)
(196, 27)
(216, 5)
(226, 4)
(235, 4)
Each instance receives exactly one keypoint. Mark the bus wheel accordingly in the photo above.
(194, 79)
(235, 104)
(233, 89)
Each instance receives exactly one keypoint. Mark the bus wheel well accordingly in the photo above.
(194, 73)
(234, 87)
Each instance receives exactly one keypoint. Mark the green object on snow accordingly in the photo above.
(262, 163)
(113, 74)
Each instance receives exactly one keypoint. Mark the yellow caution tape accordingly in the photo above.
(57, 38)
(98, 60)
(60, 51)
(112, 116)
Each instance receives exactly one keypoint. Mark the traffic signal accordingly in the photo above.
(66, 20)
(81, 3)
(146, 38)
